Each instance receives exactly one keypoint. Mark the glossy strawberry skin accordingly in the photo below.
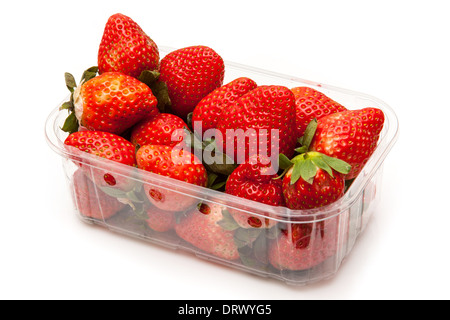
(160, 220)
(255, 180)
(209, 110)
(162, 129)
(105, 145)
(191, 73)
(351, 136)
(90, 201)
(126, 48)
(311, 104)
(256, 113)
(324, 190)
(180, 165)
(200, 228)
(113, 102)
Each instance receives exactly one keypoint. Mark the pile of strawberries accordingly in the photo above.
(138, 109)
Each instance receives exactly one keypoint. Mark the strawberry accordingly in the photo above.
(108, 146)
(200, 227)
(311, 104)
(126, 48)
(312, 179)
(92, 202)
(321, 189)
(255, 180)
(162, 129)
(113, 102)
(266, 118)
(160, 220)
(174, 163)
(301, 246)
(191, 74)
(351, 136)
(208, 111)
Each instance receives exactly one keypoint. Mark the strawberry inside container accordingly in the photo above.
(295, 246)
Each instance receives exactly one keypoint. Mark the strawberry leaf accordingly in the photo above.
(219, 185)
(89, 74)
(337, 164)
(301, 150)
(320, 162)
(303, 168)
(211, 179)
(309, 133)
(68, 105)
(159, 89)
(70, 124)
(284, 162)
(260, 249)
(295, 173)
(189, 120)
(245, 237)
(308, 170)
(227, 222)
(161, 93)
(70, 82)
(149, 77)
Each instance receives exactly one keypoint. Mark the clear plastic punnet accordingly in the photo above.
(151, 207)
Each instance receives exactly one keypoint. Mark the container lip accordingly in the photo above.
(385, 144)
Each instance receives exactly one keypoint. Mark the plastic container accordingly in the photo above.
(324, 236)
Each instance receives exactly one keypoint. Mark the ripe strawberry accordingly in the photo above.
(113, 102)
(324, 189)
(255, 115)
(191, 74)
(160, 220)
(90, 201)
(200, 228)
(311, 104)
(209, 110)
(351, 136)
(108, 146)
(126, 48)
(174, 163)
(162, 129)
(255, 180)
(301, 246)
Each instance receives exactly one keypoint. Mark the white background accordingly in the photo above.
(397, 51)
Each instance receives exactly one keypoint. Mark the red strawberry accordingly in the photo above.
(209, 109)
(304, 245)
(321, 190)
(163, 129)
(90, 201)
(254, 116)
(191, 74)
(174, 163)
(126, 48)
(311, 104)
(255, 180)
(201, 229)
(160, 220)
(108, 146)
(351, 136)
(113, 102)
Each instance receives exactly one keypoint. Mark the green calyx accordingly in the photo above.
(305, 166)
(306, 163)
(71, 123)
(159, 89)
